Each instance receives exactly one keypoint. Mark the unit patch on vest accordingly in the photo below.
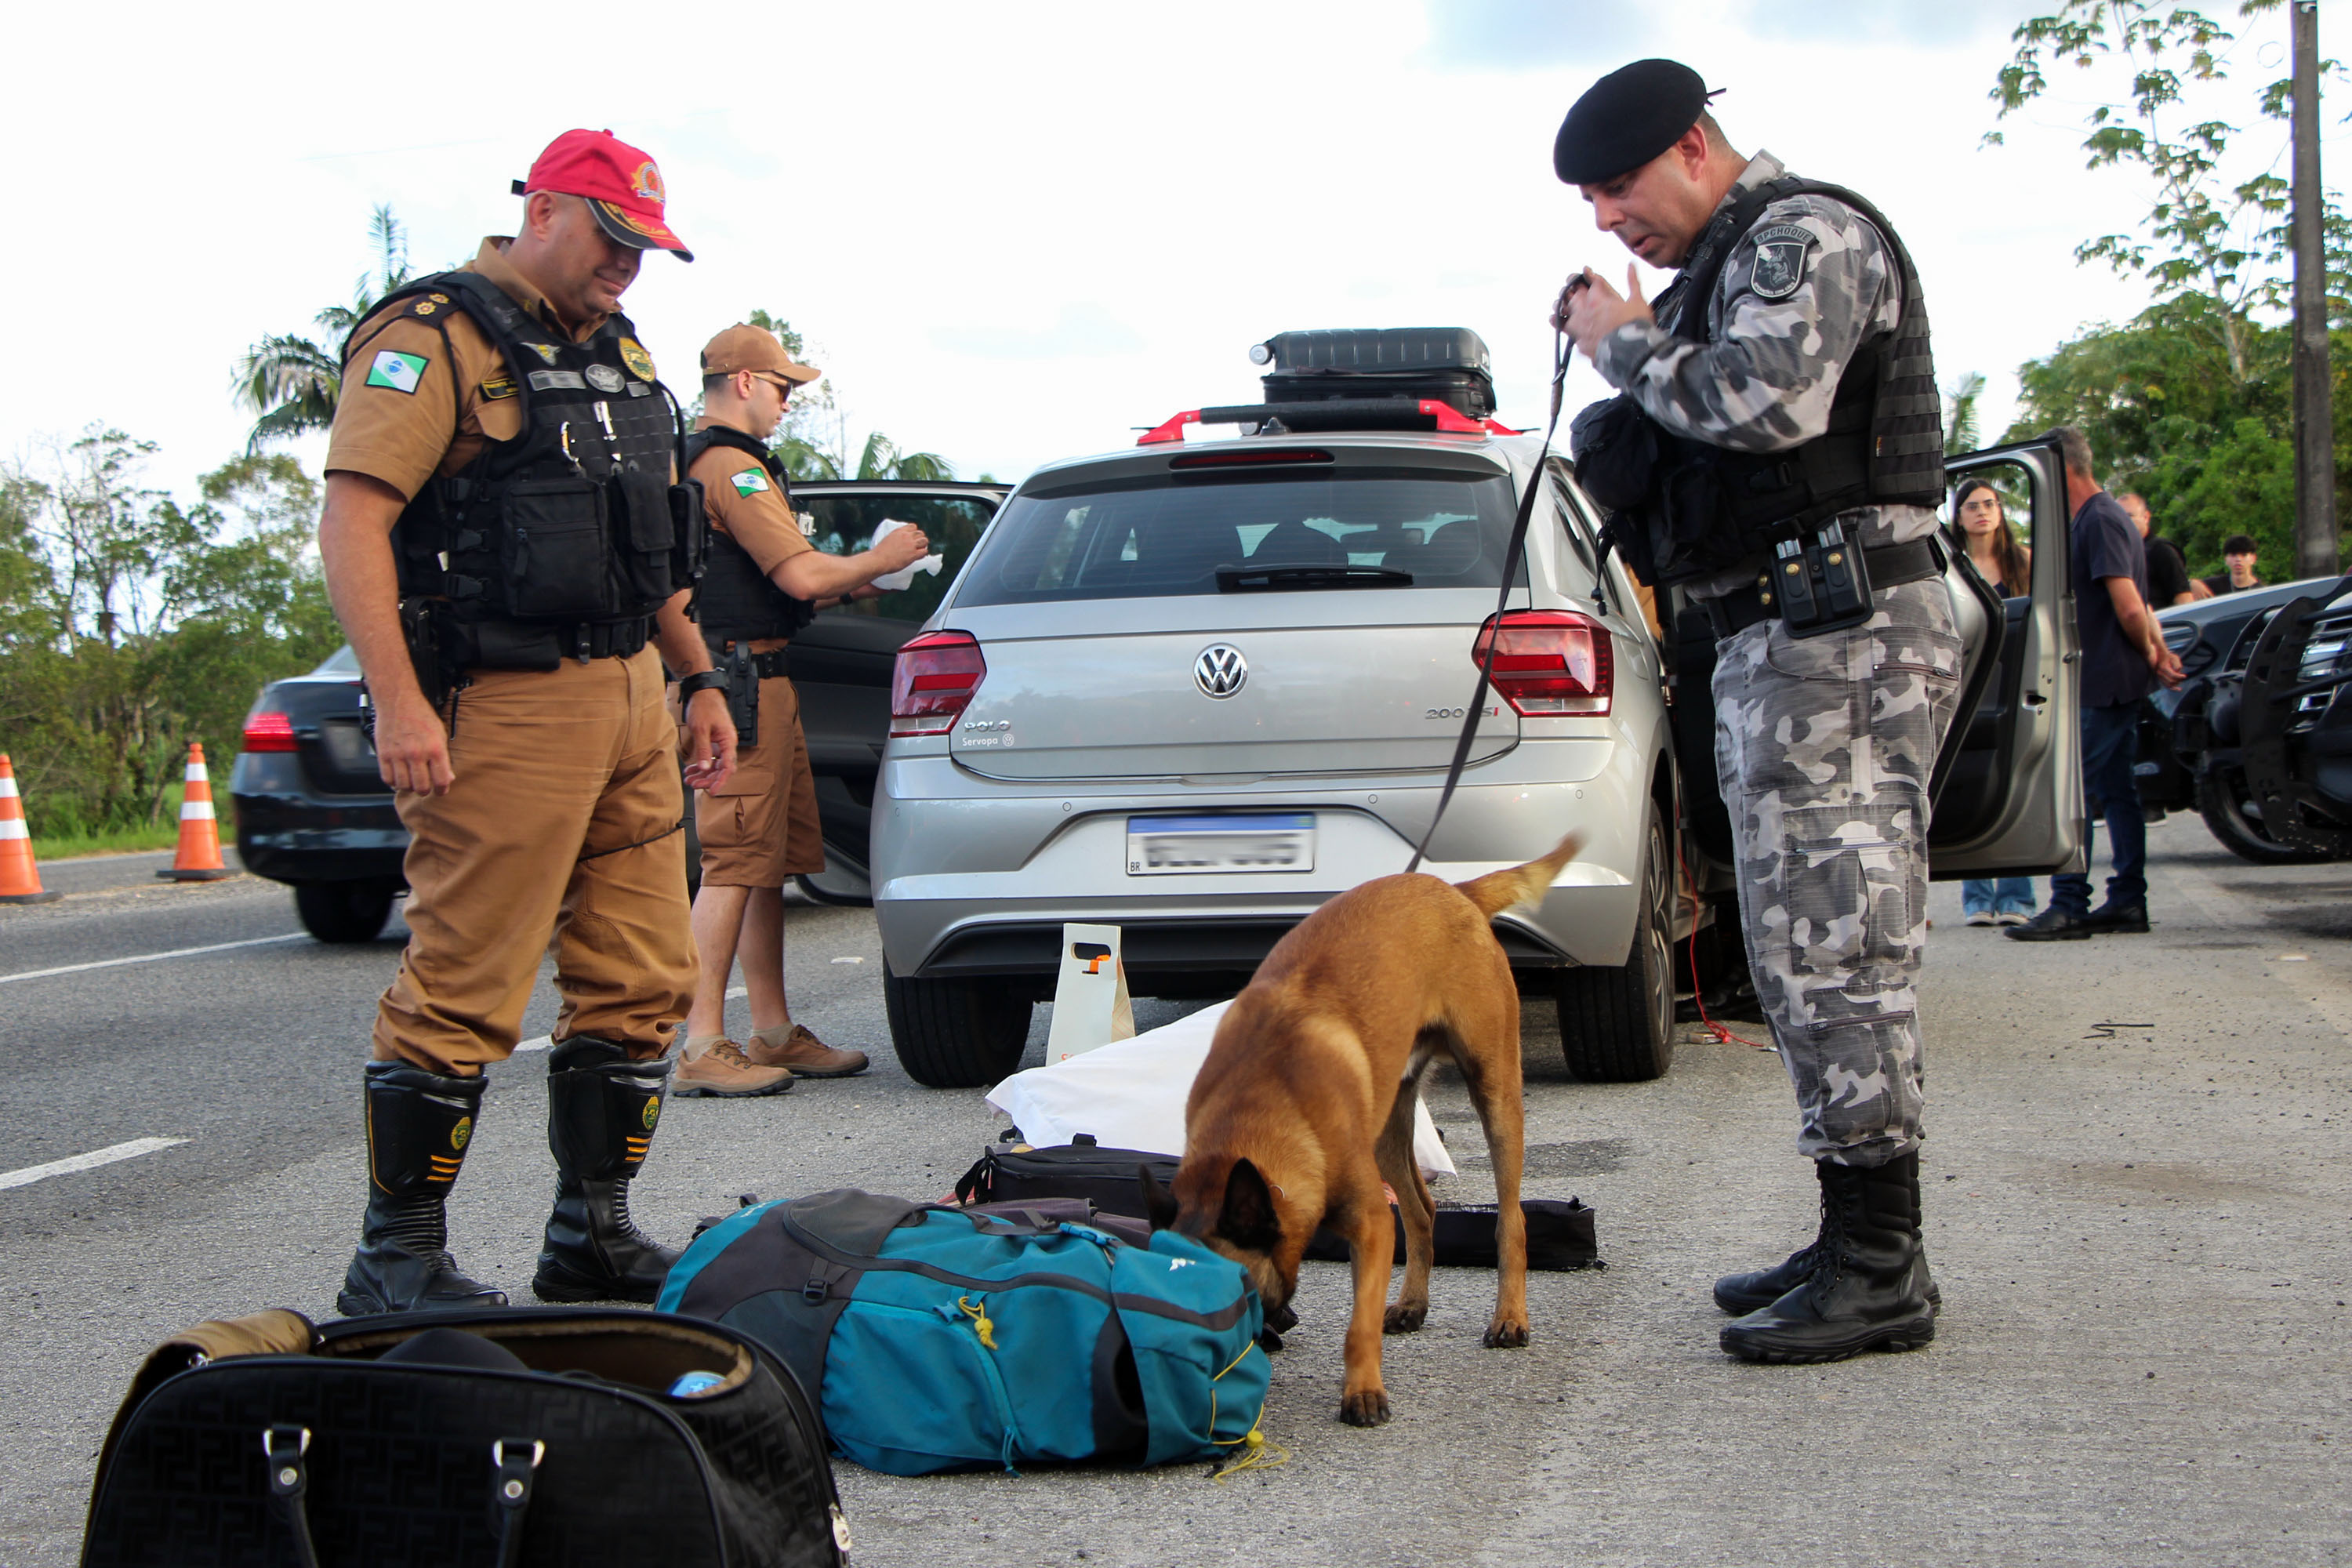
(557, 381)
(498, 386)
(605, 378)
(547, 352)
(397, 370)
(634, 355)
(1780, 261)
(751, 482)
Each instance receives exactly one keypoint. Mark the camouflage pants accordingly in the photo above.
(1823, 747)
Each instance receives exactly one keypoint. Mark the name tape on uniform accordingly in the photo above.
(397, 370)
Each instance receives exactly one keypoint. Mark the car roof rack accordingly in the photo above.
(1374, 378)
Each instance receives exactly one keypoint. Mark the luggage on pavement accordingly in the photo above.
(541, 1437)
(946, 1339)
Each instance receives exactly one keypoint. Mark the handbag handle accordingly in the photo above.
(515, 1462)
(285, 1448)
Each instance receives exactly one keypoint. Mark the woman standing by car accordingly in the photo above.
(1994, 548)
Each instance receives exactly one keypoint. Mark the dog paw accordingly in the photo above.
(1269, 1340)
(1404, 1318)
(1503, 1334)
(1369, 1408)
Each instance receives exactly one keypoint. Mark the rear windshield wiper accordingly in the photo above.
(1261, 579)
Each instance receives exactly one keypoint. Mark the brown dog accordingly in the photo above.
(1304, 1105)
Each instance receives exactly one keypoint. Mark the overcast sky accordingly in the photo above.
(1011, 232)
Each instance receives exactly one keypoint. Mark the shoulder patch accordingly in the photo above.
(634, 355)
(498, 386)
(751, 482)
(1780, 252)
(400, 372)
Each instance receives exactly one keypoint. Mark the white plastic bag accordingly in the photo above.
(1131, 1094)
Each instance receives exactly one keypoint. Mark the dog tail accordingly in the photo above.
(1499, 890)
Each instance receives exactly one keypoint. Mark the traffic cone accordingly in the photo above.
(20, 880)
(199, 860)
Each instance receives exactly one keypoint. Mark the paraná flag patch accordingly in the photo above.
(397, 370)
(751, 482)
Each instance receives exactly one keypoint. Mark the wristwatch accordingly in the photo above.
(701, 680)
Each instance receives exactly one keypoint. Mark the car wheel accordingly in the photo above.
(840, 885)
(955, 1033)
(1617, 1025)
(344, 911)
(2223, 801)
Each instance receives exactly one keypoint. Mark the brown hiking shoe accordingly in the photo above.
(807, 1056)
(724, 1072)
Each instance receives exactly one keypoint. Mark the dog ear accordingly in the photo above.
(1158, 1203)
(1248, 1219)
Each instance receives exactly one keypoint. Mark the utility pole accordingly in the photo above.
(2314, 423)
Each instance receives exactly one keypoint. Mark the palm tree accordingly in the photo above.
(1961, 430)
(292, 381)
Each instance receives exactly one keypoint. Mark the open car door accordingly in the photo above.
(2007, 786)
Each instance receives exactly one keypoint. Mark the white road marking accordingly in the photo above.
(541, 1042)
(153, 957)
(91, 1160)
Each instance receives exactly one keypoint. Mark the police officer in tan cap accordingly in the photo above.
(759, 828)
(503, 542)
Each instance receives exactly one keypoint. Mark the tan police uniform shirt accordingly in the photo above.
(746, 505)
(402, 422)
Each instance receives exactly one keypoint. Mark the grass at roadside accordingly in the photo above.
(162, 834)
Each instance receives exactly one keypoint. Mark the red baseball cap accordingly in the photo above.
(622, 184)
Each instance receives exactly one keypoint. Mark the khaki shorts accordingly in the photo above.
(760, 828)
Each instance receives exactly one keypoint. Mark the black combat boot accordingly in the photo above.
(1868, 1286)
(418, 1124)
(1740, 1294)
(601, 1112)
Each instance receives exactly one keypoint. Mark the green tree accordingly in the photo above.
(1960, 431)
(2202, 234)
(292, 381)
(131, 624)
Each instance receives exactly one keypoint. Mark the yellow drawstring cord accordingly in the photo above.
(1253, 1442)
(980, 1324)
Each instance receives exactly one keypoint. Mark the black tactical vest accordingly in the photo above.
(567, 538)
(1703, 509)
(737, 602)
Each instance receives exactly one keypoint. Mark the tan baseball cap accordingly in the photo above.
(755, 349)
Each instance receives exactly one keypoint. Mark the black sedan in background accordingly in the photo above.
(2180, 766)
(311, 811)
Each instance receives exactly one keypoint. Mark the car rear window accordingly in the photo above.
(1166, 534)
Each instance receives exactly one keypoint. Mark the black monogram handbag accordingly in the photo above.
(575, 1437)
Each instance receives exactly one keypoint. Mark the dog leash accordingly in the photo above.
(1511, 558)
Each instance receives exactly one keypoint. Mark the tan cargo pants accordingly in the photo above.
(565, 820)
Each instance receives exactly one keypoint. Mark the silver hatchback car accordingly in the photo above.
(1196, 689)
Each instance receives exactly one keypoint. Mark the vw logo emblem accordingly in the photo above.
(1221, 671)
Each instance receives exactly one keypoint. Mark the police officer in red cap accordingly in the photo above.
(505, 538)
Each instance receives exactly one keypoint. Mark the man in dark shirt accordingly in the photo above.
(2238, 555)
(2167, 569)
(2123, 656)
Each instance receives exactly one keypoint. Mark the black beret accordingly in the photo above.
(1627, 119)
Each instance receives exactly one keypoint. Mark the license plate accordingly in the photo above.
(1181, 846)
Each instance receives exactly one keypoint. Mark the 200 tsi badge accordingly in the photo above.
(1221, 671)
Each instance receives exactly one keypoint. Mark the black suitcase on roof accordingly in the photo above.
(1448, 364)
(263, 1442)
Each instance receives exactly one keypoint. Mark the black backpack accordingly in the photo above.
(547, 1437)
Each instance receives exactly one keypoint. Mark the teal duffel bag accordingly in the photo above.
(946, 1339)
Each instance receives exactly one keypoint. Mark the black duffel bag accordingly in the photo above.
(543, 1437)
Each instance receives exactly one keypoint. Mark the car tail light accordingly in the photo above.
(934, 678)
(1548, 661)
(268, 731)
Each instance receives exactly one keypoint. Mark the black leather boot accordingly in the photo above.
(1740, 1294)
(601, 1112)
(418, 1125)
(1868, 1286)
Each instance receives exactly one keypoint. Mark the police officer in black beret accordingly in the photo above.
(1775, 453)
